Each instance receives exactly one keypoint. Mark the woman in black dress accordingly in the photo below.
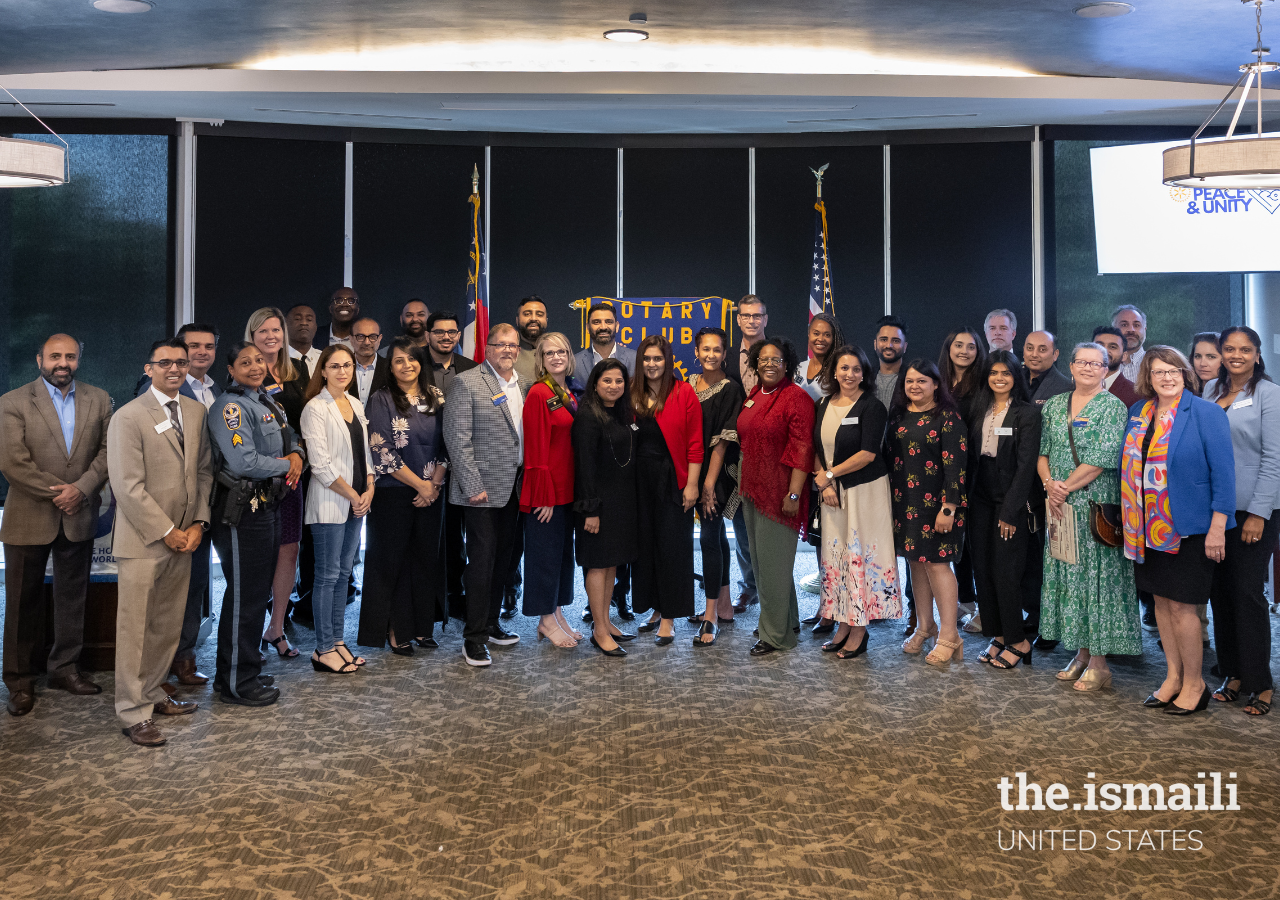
(604, 494)
(927, 443)
(721, 398)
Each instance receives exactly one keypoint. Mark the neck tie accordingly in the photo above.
(172, 406)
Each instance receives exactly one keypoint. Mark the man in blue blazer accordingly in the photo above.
(602, 323)
(202, 352)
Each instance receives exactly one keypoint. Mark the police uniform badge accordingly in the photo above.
(231, 415)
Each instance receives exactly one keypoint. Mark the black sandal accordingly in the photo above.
(1023, 657)
(292, 652)
(705, 628)
(1262, 706)
(1229, 694)
(985, 655)
(346, 654)
(848, 652)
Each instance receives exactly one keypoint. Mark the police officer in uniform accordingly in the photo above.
(256, 460)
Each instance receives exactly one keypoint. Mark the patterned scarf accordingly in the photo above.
(1144, 489)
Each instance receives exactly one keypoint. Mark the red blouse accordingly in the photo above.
(548, 451)
(681, 424)
(775, 431)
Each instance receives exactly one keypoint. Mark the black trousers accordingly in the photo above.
(197, 590)
(1241, 619)
(1033, 578)
(455, 556)
(26, 652)
(998, 568)
(248, 555)
(716, 556)
(491, 535)
(404, 576)
(514, 578)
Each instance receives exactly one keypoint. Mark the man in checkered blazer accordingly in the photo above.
(484, 431)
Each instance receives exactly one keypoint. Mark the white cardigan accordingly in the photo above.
(329, 452)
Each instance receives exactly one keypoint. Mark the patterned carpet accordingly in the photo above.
(672, 773)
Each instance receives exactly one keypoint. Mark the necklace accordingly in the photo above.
(630, 448)
(775, 389)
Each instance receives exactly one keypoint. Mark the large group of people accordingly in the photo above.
(1033, 506)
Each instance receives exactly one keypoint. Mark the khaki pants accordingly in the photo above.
(153, 601)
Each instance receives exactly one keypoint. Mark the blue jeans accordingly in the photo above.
(336, 547)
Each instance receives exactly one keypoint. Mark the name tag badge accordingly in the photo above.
(750, 403)
(162, 427)
(554, 403)
(635, 427)
(499, 399)
(1081, 423)
(274, 389)
(849, 420)
(1241, 404)
(1004, 432)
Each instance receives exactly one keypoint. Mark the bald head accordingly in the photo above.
(58, 359)
(1039, 352)
(413, 320)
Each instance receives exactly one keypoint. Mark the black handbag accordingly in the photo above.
(1104, 518)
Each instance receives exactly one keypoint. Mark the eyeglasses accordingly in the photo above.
(340, 367)
(1089, 364)
(365, 338)
(504, 346)
(345, 301)
(169, 363)
(452, 333)
(765, 362)
(1166, 373)
(751, 317)
(554, 354)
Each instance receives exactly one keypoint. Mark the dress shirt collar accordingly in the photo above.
(515, 378)
(55, 390)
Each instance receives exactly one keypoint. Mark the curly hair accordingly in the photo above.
(790, 360)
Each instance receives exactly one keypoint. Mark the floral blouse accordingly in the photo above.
(397, 439)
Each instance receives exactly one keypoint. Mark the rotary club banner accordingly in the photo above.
(678, 319)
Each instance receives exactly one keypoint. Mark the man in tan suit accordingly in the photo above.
(161, 474)
(53, 451)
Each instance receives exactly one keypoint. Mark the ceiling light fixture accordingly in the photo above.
(627, 35)
(1242, 163)
(123, 6)
(1103, 10)
(33, 163)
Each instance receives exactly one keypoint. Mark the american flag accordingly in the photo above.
(475, 329)
(820, 282)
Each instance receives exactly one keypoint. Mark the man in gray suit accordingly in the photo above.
(1039, 353)
(161, 472)
(484, 431)
(53, 451)
(602, 323)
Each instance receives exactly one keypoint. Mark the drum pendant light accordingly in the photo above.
(1240, 163)
(33, 163)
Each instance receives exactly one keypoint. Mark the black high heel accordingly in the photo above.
(346, 654)
(1154, 702)
(649, 626)
(1174, 709)
(622, 637)
(861, 649)
(400, 649)
(663, 639)
(1023, 657)
(616, 651)
(705, 628)
(1229, 694)
(985, 655)
(289, 652)
(835, 647)
(427, 643)
(822, 628)
(811, 620)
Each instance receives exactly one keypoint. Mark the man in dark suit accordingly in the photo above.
(53, 451)
(484, 431)
(1039, 353)
(371, 369)
(1110, 337)
(344, 309)
(442, 333)
(752, 318)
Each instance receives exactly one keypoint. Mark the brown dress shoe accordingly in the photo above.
(20, 702)
(171, 707)
(185, 670)
(74, 684)
(145, 734)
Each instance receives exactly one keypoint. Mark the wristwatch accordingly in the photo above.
(793, 496)
(831, 476)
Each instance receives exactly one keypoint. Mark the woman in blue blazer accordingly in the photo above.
(1177, 493)
(1241, 620)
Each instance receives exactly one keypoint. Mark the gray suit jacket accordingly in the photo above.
(1255, 444)
(584, 361)
(157, 485)
(33, 457)
(482, 440)
(1053, 384)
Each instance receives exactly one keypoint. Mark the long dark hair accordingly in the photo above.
(941, 395)
(1223, 383)
(985, 397)
(426, 377)
(973, 379)
(640, 384)
(317, 383)
(591, 400)
(827, 378)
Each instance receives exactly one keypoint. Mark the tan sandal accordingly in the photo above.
(1091, 681)
(944, 652)
(1073, 671)
(915, 643)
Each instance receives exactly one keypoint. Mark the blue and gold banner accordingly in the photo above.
(676, 318)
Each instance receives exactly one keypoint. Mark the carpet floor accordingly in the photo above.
(671, 773)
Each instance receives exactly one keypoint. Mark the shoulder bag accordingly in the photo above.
(1104, 518)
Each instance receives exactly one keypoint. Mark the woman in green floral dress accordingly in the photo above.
(1093, 604)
